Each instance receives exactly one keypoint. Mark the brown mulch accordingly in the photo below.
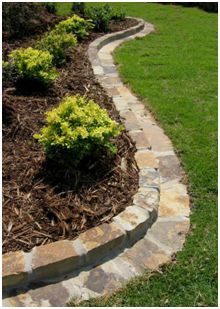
(44, 202)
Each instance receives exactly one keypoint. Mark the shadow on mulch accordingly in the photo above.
(64, 177)
(8, 114)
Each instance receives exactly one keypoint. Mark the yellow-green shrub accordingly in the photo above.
(57, 45)
(76, 25)
(33, 64)
(77, 128)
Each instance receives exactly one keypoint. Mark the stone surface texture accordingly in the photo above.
(147, 233)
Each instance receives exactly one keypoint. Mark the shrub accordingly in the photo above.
(76, 128)
(76, 25)
(78, 8)
(118, 16)
(50, 7)
(33, 64)
(57, 45)
(100, 16)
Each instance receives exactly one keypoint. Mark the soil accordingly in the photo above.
(42, 201)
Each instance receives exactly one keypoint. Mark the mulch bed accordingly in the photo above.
(42, 201)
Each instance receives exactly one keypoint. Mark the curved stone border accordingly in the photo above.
(160, 177)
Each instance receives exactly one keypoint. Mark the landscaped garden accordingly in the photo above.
(68, 162)
(71, 161)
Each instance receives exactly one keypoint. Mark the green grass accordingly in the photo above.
(174, 71)
(63, 8)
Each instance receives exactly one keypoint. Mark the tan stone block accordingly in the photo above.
(148, 198)
(130, 121)
(105, 56)
(56, 295)
(141, 142)
(102, 240)
(149, 178)
(125, 93)
(19, 300)
(110, 81)
(112, 91)
(55, 259)
(170, 168)
(146, 159)
(101, 282)
(120, 104)
(13, 269)
(173, 202)
(145, 255)
(169, 233)
(98, 70)
(136, 106)
(135, 220)
(159, 141)
(105, 62)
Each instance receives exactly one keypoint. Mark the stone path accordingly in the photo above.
(160, 178)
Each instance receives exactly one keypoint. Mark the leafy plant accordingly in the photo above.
(50, 7)
(78, 7)
(57, 45)
(33, 64)
(76, 25)
(100, 16)
(118, 15)
(76, 128)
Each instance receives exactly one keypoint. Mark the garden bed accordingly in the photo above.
(44, 202)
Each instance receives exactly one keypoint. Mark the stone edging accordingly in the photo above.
(62, 257)
(160, 177)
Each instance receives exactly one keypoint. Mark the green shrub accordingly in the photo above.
(118, 15)
(76, 128)
(78, 7)
(100, 16)
(33, 64)
(76, 25)
(50, 7)
(57, 45)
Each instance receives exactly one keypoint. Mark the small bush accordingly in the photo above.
(76, 25)
(50, 7)
(76, 128)
(33, 64)
(118, 16)
(78, 8)
(100, 16)
(57, 45)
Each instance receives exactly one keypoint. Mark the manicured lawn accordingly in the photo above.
(174, 71)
